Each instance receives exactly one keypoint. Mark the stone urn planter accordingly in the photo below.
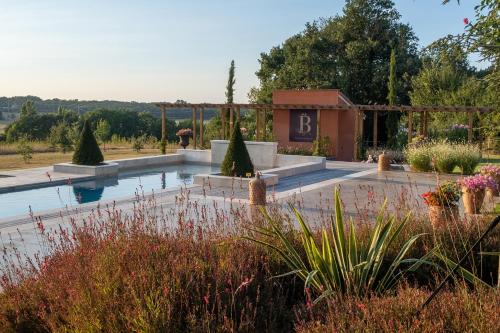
(184, 141)
(440, 216)
(473, 200)
(184, 135)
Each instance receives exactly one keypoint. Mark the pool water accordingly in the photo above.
(126, 184)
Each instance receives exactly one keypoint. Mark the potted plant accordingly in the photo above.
(184, 134)
(492, 171)
(473, 191)
(443, 204)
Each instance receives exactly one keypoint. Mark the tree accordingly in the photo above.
(103, 132)
(28, 109)
(350, 52)
(60, 137)
(230, 84)
(87, 151)
(237, 162)
(392, 120)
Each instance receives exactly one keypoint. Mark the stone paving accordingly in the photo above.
(363, 190)
(16, 180)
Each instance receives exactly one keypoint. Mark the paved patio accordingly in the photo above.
(363, 190)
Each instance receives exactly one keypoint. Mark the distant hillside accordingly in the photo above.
(13, 105)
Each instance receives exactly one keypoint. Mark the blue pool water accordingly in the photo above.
(126, 184)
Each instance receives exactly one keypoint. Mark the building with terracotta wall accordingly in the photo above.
(297, 128)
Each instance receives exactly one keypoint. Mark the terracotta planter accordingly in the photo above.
(184, 141)
(473, 200)
(384, 164)
(440, 216)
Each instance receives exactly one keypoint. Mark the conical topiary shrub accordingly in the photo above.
(87, 150)
(237, 161)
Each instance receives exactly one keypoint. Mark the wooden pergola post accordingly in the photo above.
(257, 124)
(356, 135)
(231, 121)
(164, 125)
(375, 129)
(318, 127)
(426, 122)
(201, 128)
(264, 123)
(223, 123)
(421, 124)
(194, 128)
(410, 126)
(469, 130)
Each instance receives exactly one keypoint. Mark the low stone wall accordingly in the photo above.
(283, 160)
(231, 182)
(295, 169)
(263, 154)
(198, 156)
(148, 161)
(108, 169)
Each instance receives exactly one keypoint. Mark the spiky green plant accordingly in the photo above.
(339, 263)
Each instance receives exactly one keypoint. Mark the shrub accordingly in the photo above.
(395, 156)
(25, 149)
(444, 157)
(237, 161)
(295, 151)
(321, 147)
(87, 151)
(138, 143)
(457, 310)
(419, 157)
(60, 137)
(469, 156)
(340, 264)
(163, 146)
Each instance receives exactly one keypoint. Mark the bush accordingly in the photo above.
(395, 156)
(469, 158)
(87, 151)
(60, 137)
(237, 162)
(321, 147)
(138, 143)
(419, 158)
(444, 157)
(295, 151)
(451, 311)
(25, 149)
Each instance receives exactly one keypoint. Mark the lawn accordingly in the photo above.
(15, 161)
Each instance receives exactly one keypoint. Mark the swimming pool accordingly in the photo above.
(126, 184)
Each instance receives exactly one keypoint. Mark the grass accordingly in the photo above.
(13, 162)
(487, 159)
(44, 155)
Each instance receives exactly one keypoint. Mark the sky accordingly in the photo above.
(152, 50)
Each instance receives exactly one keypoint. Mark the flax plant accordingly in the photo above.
(339, 264)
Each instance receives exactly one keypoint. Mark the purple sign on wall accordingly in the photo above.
(303, 125)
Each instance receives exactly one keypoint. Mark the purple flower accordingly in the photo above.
(477, 182)
(490, 170)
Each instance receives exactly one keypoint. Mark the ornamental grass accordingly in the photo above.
(188, 268)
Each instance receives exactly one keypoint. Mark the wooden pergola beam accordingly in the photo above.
(388, 108)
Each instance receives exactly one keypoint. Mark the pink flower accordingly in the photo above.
(205, 299)
(466, 20)
(477, 182)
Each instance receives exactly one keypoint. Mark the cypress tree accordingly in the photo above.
(87, 151)
(392, 119)
(237, 161)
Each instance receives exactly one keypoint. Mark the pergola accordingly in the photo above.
(262, 109)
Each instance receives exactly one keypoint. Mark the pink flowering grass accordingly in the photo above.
(188, 269)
